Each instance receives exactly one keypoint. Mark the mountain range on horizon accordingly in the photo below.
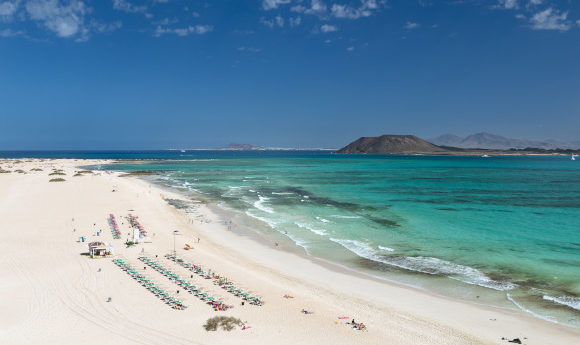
(485, 140)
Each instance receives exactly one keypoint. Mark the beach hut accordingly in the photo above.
(99, 250)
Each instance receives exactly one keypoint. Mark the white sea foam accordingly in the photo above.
(359, 248)
(194, 160)
(271, 223)
(300, 242)
(259, 204)
(387, 249)
(521, 307)
(251, 191)
(428, 265)
(322, 219)
(282, 193)
(569, 301)
(233, 191)
(319, 232)
(345, 217)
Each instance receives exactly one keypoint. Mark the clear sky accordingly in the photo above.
(153, 74)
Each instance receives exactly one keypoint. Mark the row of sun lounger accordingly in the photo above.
(135, 223)
(149, 285)
(114, 227)
(218, 280)
(192, 289)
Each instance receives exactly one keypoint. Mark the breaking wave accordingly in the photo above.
(307, 227)
(260, 204)
(428, 265)
(569, 301)
(522, 308)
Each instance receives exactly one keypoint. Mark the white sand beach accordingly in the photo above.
(51, 293)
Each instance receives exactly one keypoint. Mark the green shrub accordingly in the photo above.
(226, 322)
(57, 180)
(56, 173)
(35, 169)
(2, 171)
(81, 172)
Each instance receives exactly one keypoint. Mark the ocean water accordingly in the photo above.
(499, 230)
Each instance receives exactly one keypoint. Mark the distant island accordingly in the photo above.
(250, 147)
(490, 141)
(410, 144)
(398, 144)
(242, 147)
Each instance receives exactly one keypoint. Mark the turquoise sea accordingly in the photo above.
(498, 230)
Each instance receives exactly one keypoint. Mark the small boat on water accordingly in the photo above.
(573, 157)
(182, 150)
(485, 156)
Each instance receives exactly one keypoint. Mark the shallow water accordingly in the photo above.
(500, 230)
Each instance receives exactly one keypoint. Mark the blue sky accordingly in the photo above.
(129, 74)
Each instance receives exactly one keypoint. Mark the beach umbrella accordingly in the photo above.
(174, 233)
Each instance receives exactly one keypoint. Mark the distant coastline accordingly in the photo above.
(412, 145)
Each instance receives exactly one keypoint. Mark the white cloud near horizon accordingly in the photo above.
(185, 31)
(8, 9)
(294, 21)
(126, 6)
(328, 28)
(364, 10)
(509, 4)
(63, 19)
(273, 4)
(412, 25)
(550, 19)
(10, 33)
(249, 49)
(75, 19)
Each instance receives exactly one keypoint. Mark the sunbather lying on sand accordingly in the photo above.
(288, 296)
(306, 311)
(360, 326)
